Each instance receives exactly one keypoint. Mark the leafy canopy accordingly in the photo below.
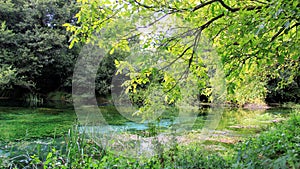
(256, 40)
(34, 45)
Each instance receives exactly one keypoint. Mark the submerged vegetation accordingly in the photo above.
(21, 123)
(28, 123)
(154, 61)
(278, 147)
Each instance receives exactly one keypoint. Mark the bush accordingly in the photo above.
(277, 148)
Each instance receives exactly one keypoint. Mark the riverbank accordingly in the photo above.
(219, 150)
(276, 147)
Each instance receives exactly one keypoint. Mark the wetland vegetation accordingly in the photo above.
(50, 137)
(149, 84)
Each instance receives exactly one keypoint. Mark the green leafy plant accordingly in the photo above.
(276, 148)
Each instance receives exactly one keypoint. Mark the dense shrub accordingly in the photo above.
(277, 148)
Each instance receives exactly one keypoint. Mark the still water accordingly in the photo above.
(29, 129)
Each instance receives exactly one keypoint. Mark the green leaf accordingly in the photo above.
(280, 59)
(295, 4)
(295, 57)
(111, 51)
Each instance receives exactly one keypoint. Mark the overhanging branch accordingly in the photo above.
(211, 21)
(144, 5)
(204, 4)
(282, 29)
(180, 56)
(228, 7)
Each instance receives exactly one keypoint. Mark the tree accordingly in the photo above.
(34, 45)
(105, 73)
(254, 36)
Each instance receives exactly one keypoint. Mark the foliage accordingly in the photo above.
(106, 71)
(269, 150)
(276, 148)
(7, 76)
(257, 41)
(291, 105)
(82, 153)
(289, 93)
(34, 45)
(248, 87)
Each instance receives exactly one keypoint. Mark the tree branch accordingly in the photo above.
(278, 33)
(248, 8)
(144, 5)
(204, 4)
(180, 56)
(179, 36)
(282, 29)
(218, 33)
(212, 1)
(211, 21)
(295, 25)
(155, 21)
(228, 7)
(178, 80)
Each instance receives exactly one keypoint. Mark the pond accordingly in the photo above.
(27, 130)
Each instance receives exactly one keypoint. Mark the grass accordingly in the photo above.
(276, 147)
